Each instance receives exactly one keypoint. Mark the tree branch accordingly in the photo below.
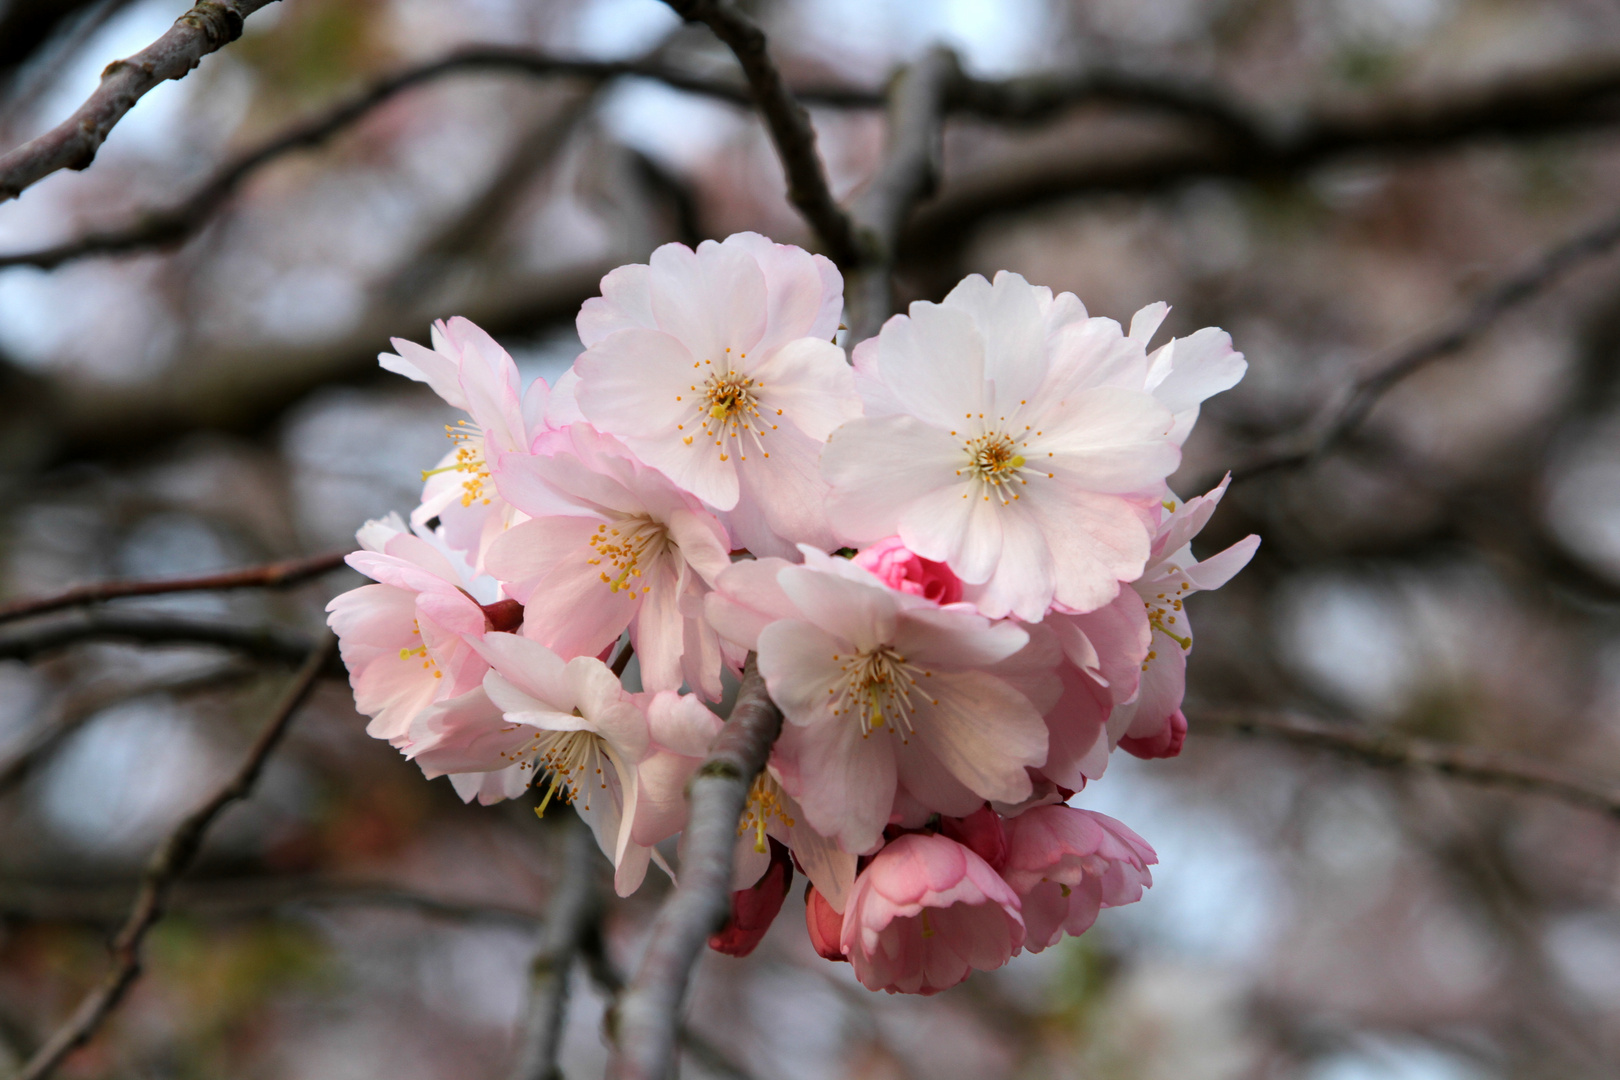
(265, 642)
(1341, 419)
(209, 26)
(175, 224)
(1524, 106)
(649, 1012)
(168, 863)
(912, 165)
(788, 123)
(1477, 765)
(572, 914)
(77, 711)
(1237, 141)
(283, 574)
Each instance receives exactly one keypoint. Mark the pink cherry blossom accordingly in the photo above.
(470, 371)
(879, 688)
(404, 639)
(717, 367)
(924, 913)
(612, 543)
(1065, 864)
(1103, 652)
(569, 725)
(1008, 443)
(901, 568)
(1165, 743)
(1172, 575)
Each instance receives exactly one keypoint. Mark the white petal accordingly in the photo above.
(1146, 322)
(877, 467)
(712, 300)
(934, 359)
(809, 384)
(625, 302)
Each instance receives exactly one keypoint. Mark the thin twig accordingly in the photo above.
(788, 123)
(172, 225)
(574, 910)
(264, 642)
(168, 863)
(1493, 768)
(1243, 142)
(649, 1012)
(209, 26)
(276, 575)
(80, 709)
(1462, 330)
(108, 903)
(911, 169)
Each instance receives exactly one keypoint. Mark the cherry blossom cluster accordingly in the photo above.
(957, 562)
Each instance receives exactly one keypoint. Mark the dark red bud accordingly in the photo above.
(825, 925)
(1166, 743)
(503, 615)
(981, 833)
(754, 909)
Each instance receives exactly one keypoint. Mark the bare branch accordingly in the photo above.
(175, 224)
(265, 643)
(209, 26)
(168, 863)
(572, 914)
(283, 574)
(1233, 140)
(912, 164)
(1462, 330)
(649, 1012)
(788, 123)
(1523, 106)
(1474, 764)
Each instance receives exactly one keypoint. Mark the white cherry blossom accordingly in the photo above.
(717, 367)
(1010, 438)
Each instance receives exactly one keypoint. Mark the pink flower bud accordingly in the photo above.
(1165, 743)
(503, 615)
(755, 908)
(924, 913)
(981, 833)
(824, 924)
(902, 569)
(1066, 864)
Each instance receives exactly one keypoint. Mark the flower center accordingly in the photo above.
(627, 547)
(428, 663)
(575, 760)
(877, 687)
(1161, 613)
(469, 440)
(765, 800)
(728, 406)
(994, 460)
